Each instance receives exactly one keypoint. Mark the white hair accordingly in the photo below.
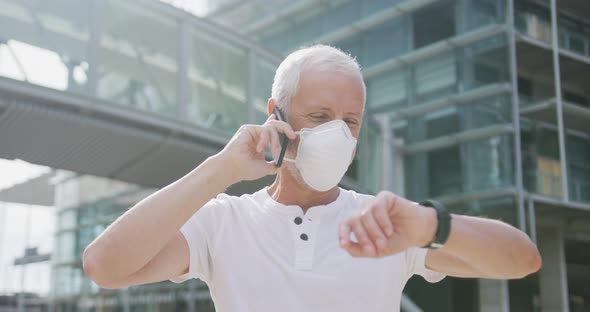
(319, 57)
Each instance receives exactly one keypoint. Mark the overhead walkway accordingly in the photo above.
(136, 91)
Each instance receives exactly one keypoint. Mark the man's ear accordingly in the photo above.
(270, 106)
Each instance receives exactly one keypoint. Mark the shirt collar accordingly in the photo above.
(268, 203)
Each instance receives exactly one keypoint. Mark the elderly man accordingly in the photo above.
(302, 243)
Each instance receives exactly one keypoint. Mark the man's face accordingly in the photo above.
(323, 97)
(326, 96)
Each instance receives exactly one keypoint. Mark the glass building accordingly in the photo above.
(481, 104)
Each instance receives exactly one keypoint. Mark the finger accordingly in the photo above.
(382, 218)
(374, 231)
(262, 140)
(344, 233)
(283, 127)
(355, 250)
(389, 201)
(362, 237)
(270, 168)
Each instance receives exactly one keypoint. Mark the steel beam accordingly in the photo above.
(532, 220)
(518, 178)
(559, 107)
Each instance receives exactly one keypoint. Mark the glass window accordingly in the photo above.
(484, 12)
(441, 123)
(485, 62)
(575, 98)
(87, 214)
(472, 166)
(67, 280)
(341, 15)
(354, 46)
(373, 157)
(388, 90)
(69, 193)
(376, 6)
(218, 76)
(49, 41)
(68, 219)
(548, 144)
(533, 20)
(138, 57)
(385, 42)
(264, 77)
(578, 154)
(309, 27)
(488, 163)
(66, 242)
(486, 112)
(433, 23)
(436, 76)
(444, 168)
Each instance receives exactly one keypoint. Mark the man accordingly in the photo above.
(303, 243)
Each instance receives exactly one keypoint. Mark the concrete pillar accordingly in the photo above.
(553, 274)
(493, 296)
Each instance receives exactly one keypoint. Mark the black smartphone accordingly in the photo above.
(282, 137)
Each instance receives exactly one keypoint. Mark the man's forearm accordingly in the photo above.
(138, 235)
(494, 248)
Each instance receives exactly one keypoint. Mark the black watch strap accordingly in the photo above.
(444, 224)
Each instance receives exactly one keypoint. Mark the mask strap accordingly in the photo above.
(291, 160)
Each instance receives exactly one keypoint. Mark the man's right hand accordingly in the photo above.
(125, 254)
(244, 154)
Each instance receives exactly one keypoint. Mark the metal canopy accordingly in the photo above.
(36, 191)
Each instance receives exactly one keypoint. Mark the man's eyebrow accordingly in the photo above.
(347, 113)
(358, 115)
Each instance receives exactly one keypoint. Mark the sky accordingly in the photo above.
(13, 227)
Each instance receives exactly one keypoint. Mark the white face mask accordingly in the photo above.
(324, 154)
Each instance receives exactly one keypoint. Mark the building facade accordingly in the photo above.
(481, 104)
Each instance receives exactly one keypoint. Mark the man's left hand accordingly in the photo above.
(388, 225)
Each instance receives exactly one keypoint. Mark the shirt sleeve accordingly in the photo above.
(415, 264)
(200, 232)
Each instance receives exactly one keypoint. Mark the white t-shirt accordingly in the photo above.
(256, 254)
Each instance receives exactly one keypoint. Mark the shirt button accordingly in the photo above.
(304, 237)
(298, 220)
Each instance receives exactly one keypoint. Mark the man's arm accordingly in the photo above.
(493, 249)
(140, 234)
(144, 244)
(476, 247)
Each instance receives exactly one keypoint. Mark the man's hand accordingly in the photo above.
(476, 247)
(244, 154)
(388, 225)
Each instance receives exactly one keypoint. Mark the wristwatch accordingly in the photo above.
(444, 224)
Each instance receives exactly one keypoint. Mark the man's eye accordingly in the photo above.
(351, 122)
(318, 117)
